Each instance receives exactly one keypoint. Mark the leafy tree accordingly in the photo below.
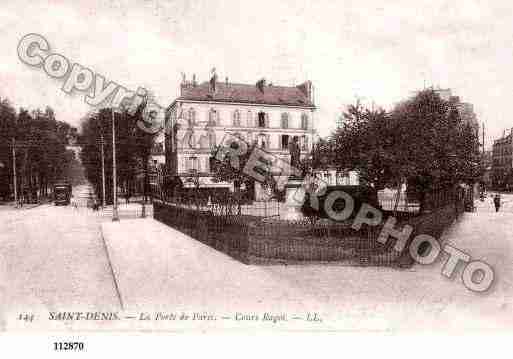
(40, 146)
(363, 142)
(422, 141)
(133, 149)
(7, 128)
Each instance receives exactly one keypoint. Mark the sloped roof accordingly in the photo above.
(244, 93)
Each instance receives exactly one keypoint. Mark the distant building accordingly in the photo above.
(465, 109)
(333, 177)
(262, 113)
(502, 162)
(75, 149)
(158, 150)
(487, 169)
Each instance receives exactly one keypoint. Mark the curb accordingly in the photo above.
(116, 286)
(26, 207)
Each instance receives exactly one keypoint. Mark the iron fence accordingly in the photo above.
(256, 234)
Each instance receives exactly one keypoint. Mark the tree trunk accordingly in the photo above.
(145, 186)
(398, 196)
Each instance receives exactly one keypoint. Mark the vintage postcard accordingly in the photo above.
(272, 166)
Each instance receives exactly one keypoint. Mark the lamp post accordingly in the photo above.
(143, 210)
(103, 171)
(15, 181)
(115, 216)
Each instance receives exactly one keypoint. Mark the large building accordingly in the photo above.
(502, 162)
(262, 113)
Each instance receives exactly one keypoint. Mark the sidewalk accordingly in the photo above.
(130, 210)
(12, 205)
(159, 268)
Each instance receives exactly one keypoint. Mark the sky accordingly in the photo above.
(374, 50)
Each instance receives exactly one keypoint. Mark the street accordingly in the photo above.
(54, 259)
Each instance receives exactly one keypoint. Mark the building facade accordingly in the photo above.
(267, 115)
(502, 162)
(158, 149)
(487, 163)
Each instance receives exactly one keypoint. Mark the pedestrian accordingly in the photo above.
(95, 205)
(74, 202)
(497, 202)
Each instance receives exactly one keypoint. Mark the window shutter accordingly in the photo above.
(267, 120)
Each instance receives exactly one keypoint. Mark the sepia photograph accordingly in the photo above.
(194, 166)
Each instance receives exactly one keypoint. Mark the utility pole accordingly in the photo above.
(483, 139)
(145, 179)
(143, 211)
(15, 180)
(103, 172)
(115, 216)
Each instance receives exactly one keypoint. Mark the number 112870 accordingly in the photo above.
(68, 346)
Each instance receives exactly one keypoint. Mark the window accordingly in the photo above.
(304, 121)
(191, 117)
(189, 139)
(211, 163)
(157, 148)
(284, 120)
(262, 141)
(250, 119)
(192, 164)
(211, 139)
(236, 118)
(212, 117)
(284, 142)
(261, 119)
(304, 143)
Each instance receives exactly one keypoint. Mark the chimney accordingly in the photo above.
(226, 80)
(306, 89)
(261, 84)
(213, 82)
(194, 82)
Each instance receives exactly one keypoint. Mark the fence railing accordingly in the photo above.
(252, 239)
(253, 234)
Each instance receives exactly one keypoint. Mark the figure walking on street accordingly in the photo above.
(497, 202)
